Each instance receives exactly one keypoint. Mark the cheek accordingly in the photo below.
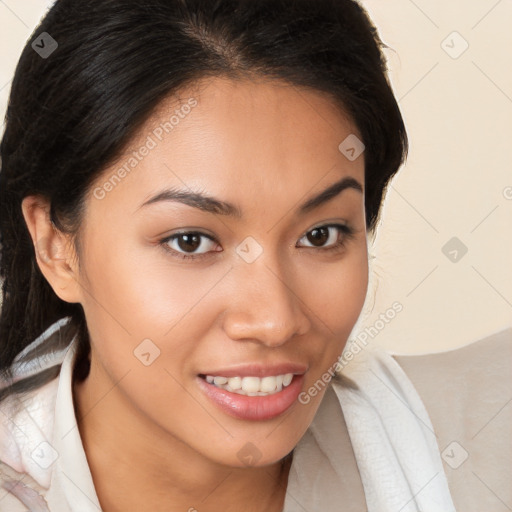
(337, 292)
(142, 289)
(140, 295)
(336, 301)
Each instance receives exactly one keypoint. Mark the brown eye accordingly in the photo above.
(191, 243)
(325, 237)
(318, 236)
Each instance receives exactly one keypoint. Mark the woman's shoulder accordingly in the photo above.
(468, 395)
(449, 382)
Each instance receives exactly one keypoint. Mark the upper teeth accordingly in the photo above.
(252, 386)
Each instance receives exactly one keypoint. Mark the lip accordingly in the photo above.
(258, 370)
(253, 408)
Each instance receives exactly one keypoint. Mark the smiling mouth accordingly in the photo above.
(252, 405)
(251, 385)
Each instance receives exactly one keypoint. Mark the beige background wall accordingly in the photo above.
(451, 70)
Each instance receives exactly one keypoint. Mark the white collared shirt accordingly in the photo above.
(50, 449)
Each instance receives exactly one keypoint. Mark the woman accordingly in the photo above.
(187, 187)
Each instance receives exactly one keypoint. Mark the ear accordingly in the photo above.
(54, 249)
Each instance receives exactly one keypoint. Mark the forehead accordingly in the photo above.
(237, 139)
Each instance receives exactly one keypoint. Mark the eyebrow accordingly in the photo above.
(210, 204)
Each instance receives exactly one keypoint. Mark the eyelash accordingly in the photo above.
(346, 231)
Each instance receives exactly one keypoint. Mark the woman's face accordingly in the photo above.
(208, 256)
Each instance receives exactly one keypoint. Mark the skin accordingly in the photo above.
(265, 147)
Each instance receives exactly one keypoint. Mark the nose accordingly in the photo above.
(264, 307)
